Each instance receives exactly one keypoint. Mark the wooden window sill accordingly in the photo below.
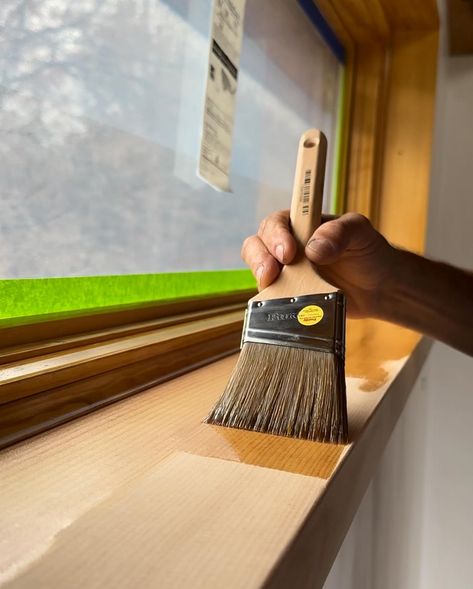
(46, 381)
(143, 494)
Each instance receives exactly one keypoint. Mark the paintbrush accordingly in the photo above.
(290, 376)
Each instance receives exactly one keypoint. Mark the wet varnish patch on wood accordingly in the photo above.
(277, 452)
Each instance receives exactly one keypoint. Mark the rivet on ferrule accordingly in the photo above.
(277, 322)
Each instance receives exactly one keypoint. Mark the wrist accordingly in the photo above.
(394, 286)
(427, 296)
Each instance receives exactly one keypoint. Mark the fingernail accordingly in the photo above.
(280, 252)
(259, 272)
(322, 247)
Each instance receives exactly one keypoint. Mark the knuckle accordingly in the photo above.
(280, 219)
(331, 227)
(363, 220)
(358, 219)
(262, 226)
(273, 225)
(279, 216)
(246, 245)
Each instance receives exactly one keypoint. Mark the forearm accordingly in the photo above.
(430, 297)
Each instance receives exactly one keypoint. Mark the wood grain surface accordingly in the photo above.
(406, 15)
(360, 22)
(22, 379)
(142, 493)
(58, 327)
(11, 354)
(366, 144)
(29, 416)
(391, 65)
(216, 499)
(460, 27)
(409, 118)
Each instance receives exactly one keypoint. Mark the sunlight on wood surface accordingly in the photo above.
(90, 483)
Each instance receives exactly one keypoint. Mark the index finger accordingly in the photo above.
(274, 231)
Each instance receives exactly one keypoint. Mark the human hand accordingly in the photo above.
(347, 251)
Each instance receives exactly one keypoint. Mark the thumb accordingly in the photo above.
(333, 238)
(327, 244)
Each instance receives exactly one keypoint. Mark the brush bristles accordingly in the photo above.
(286, 391)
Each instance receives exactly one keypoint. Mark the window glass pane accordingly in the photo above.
(100, 115)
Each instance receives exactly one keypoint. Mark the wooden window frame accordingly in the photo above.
(392, 49)
(384, 173)
(55, 371)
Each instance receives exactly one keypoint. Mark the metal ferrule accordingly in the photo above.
(289, 322)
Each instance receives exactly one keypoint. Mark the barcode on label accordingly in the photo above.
(306, 193)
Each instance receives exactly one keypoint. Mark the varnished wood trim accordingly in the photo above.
(368, 106)
(460, 27)
(409, 120)
(23, 379)
(407, 15)
(21, 352)
(374, 21)
(356, 22)
(328, 8)
(25, 417)
(89, 321)
(393, 48)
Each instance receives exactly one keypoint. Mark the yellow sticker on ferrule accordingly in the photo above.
(310, 315)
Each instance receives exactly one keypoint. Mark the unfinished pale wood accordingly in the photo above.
(307, 192)
(23, 379)
(299, 277)
(201, 507)
(101, 467)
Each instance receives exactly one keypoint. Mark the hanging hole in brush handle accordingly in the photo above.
(306, 205)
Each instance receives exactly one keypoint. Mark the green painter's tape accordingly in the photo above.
(27, 300)
(337, 200)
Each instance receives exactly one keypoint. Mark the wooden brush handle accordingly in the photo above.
(306, 205)
(300, 277)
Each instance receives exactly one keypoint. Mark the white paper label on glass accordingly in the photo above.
(220, 95)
